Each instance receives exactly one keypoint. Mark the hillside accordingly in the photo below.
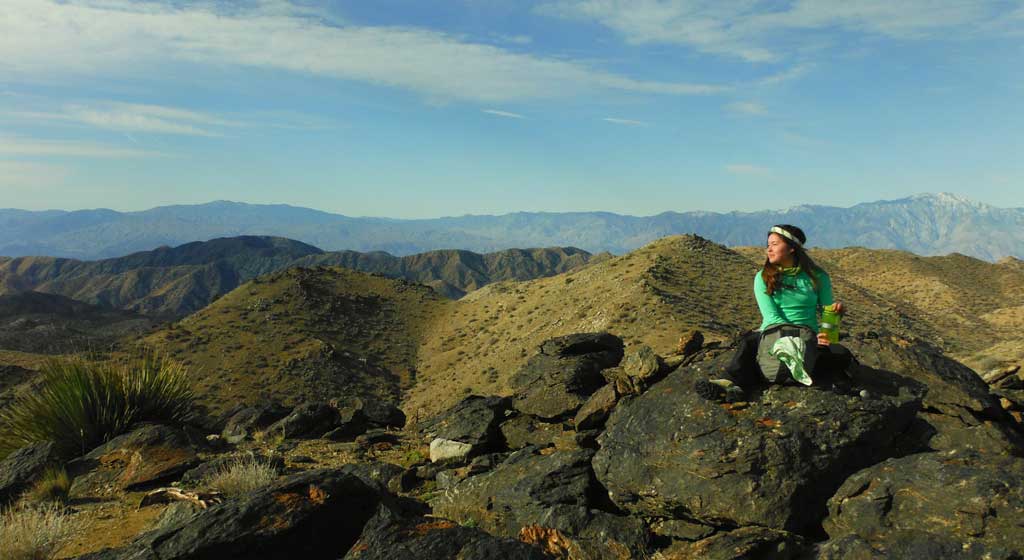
(305, 333)
(250, 344)
(39, 323)
(926, 224)
(173, 282)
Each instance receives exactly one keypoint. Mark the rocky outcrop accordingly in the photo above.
(555, 382)
(958, 411)
(772, 461)
(308, 420)
(244, 422)
(22, 467)
(977, 501)
(146, 456)
(554, 489)
(315, 514)
(388, 536)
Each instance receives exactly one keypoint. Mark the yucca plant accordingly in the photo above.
(82, 404)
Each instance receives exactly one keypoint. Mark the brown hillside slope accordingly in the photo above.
(652, 296)
(304, 333)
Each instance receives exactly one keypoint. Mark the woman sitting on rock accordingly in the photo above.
(790, 290)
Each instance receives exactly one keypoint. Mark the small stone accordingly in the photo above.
(448, 450)
(864, 394)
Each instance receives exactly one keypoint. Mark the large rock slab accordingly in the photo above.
(970, 498)
(900, 545)
(555, 382)
(148, 455)
(958, 407)
(22, 467)
(544, 487)
(315, 514)
(388, 536)
(772, 462)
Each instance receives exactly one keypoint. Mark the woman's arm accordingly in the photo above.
(824, 289)
(770, 312)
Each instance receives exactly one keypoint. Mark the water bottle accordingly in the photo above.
(830, 323)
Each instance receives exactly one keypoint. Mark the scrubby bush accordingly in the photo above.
(53, 486)
(242, 477)
(82, 404)
(34, 533)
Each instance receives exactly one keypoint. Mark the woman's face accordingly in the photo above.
(779, 253)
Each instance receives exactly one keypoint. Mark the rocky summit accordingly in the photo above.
(345, 415)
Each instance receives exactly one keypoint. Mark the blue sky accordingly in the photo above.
(423, 109)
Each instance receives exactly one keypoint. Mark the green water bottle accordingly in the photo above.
(830, 323)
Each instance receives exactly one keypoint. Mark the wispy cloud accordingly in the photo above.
(750, 30)
(748, 170)
(625, 122)
(747, 108)
(30, 174)
(14, 146)
(129, 117)
(505, 114)
(786, 75)
(60, 40)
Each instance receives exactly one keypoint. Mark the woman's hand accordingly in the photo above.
(823, 339)
(838, 307)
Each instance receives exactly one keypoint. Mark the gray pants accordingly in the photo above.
(774, 370)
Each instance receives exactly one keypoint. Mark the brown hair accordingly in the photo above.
(770, 273)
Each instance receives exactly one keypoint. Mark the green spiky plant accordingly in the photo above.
(82, 404)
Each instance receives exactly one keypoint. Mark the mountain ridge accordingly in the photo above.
(925, 224)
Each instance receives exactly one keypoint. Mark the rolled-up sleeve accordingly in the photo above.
(824, 289)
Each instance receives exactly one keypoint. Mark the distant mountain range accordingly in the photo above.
(173, 282)
(928, 224)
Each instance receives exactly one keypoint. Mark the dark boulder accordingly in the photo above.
(150, 454)
(242, 424)
(557, 381)
(474, 421)
(545, 487)
(314, 514)
(22, 467)
(958, 409)
(773, 461)
(306, 421)
(522, 430)
(746, 543)
(967, 497)
(388, 536)
(595, 411)
(900, 545)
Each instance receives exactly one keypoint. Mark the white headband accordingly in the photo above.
(787, 235)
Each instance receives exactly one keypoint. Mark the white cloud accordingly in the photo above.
(129, 117)
(747, 108)
(30, 174)
(786, 75)
(747, 169)
(749, 29)
(625, 122)
(505, 114)
(92, 38)
(14, 146)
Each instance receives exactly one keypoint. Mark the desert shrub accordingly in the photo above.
(82, 404)
(242, 477)
(34, 533)
(53, 486)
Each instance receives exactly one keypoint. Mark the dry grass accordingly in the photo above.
(34, 533)
(53, 487)
(242, 477)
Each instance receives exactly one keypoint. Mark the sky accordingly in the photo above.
(413, 109)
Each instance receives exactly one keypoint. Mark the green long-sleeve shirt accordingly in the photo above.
(795, 301)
